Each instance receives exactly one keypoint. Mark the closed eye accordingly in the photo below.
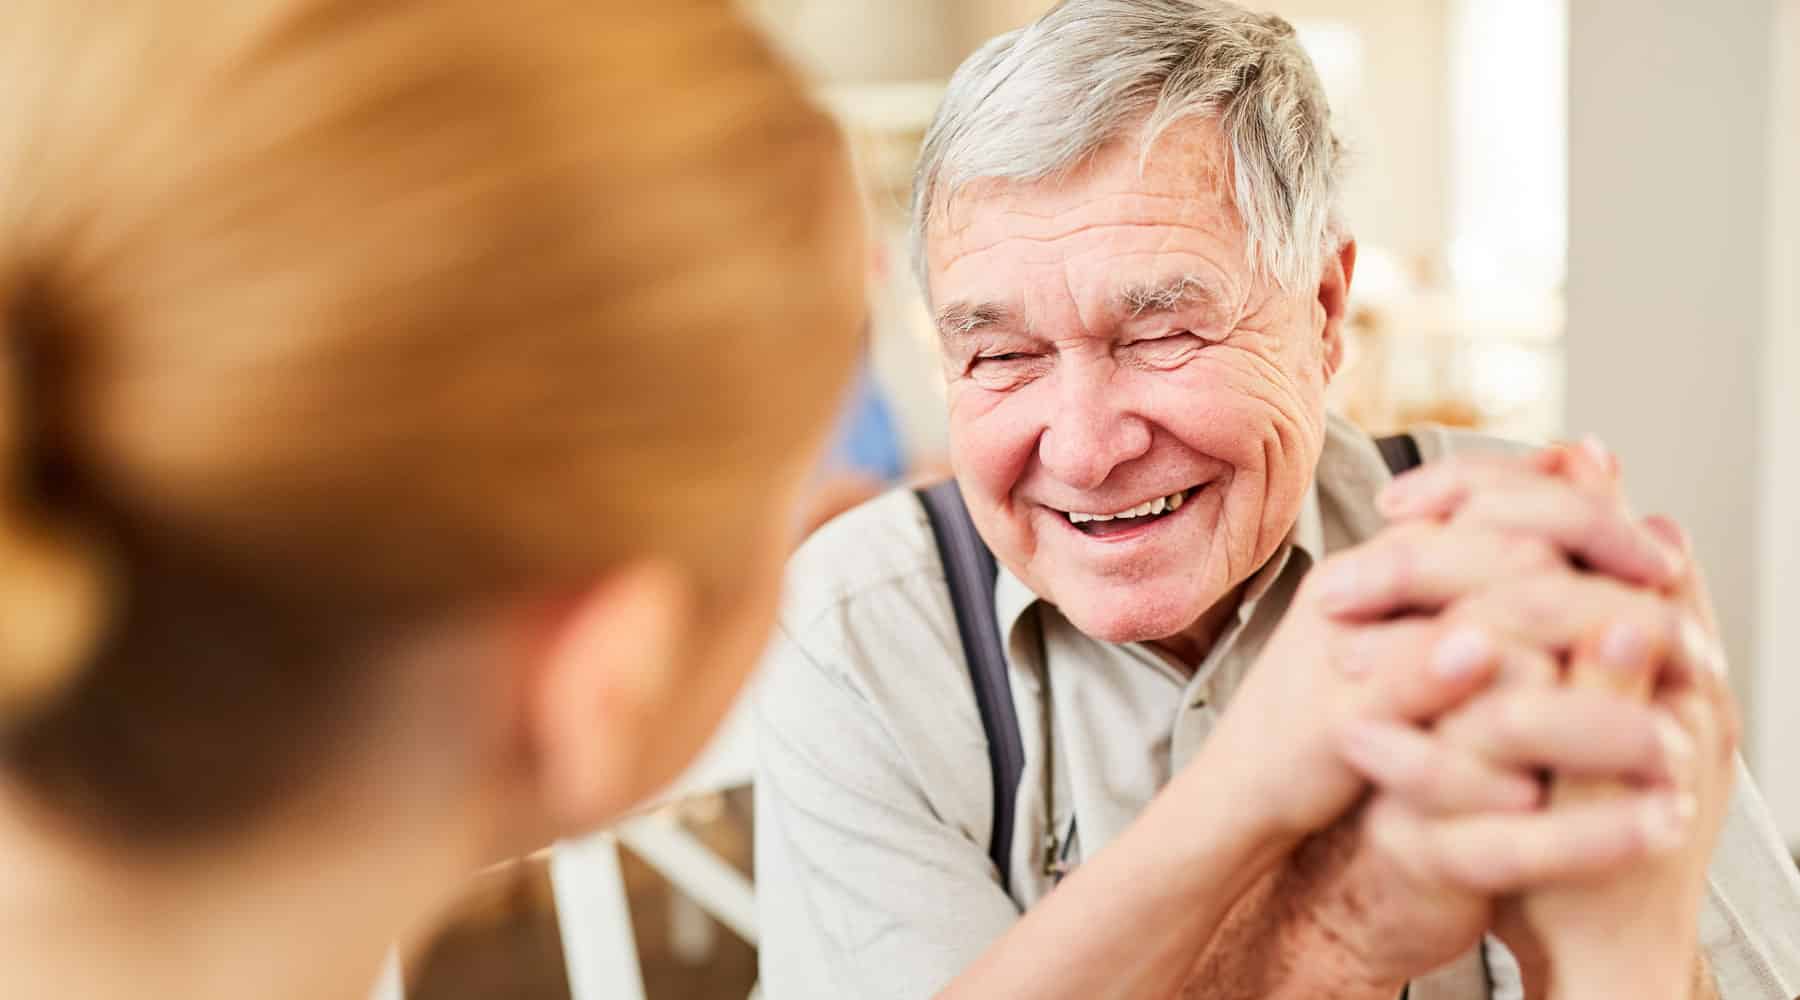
(1170, 349)
(1005, 370)
(1179, 338)
(1165, 353)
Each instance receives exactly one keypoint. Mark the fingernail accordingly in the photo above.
(1461, 653)
(1624, 646)
(1665, 820)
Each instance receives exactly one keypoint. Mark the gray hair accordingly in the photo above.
(1034, 103)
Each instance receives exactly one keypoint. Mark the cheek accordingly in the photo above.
(993, 437)
(718, 664)
(724, 651)
(1238, 408)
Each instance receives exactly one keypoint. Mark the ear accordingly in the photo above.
(1334, 303)
(606, 675)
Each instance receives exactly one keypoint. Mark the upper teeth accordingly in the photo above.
(1157, 506)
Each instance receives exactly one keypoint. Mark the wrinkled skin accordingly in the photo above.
(1065, 397)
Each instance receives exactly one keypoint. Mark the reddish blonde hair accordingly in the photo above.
(327, 318)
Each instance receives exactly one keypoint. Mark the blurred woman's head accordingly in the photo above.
(397, 384)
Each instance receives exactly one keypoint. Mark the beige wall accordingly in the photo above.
(983, 19)
(1777, 684)
(1397, 128)
(1670, 268)
(1396, 124)
(866, 41)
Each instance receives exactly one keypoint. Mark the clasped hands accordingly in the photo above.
(1506, 713)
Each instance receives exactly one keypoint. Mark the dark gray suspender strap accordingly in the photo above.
(1400, 452)
(970, 570)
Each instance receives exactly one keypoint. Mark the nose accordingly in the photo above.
(1091, 433)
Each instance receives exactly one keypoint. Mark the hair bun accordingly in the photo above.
(54, 578)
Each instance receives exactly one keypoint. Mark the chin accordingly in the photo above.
(1139, 614)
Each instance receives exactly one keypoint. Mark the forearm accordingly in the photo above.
(1271, 946)
(1129, 921)
(1631, 981)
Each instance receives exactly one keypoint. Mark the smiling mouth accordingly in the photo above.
(1104, 525)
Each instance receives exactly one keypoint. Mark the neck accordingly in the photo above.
(1190, 646)
(292, 914)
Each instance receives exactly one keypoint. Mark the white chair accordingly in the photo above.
(391, 986)
(593, 913)
(597, 938)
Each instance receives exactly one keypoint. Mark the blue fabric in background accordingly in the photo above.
(867, 440)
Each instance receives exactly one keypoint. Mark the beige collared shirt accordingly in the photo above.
(873, 795)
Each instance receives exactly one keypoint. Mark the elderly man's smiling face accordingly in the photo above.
(1135, 414)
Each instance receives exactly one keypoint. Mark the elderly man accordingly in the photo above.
(1280, 722)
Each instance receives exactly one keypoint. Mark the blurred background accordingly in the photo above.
(1573, 217)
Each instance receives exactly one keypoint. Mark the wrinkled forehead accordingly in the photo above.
(1147, 209)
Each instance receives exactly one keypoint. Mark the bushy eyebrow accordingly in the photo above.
(1184, 291)
(959, 319)
(1181, 293)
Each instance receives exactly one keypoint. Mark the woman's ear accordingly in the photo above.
(1334, 303)
(605, 678)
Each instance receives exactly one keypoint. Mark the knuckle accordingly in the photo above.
(1700, 650)
(1496, 870)
(1655, 749)
(1399, 566)
(1401, 569)
(1730, 726)
(1458, 729)
(1353, 563)
(1540, 597)
(1432, 782)
(1654, 616)
(1532, 667)
(1412, 532)
(1507, 607)
(1597, 515)
(1677, 749)
(1509, 722)
(1534, 553)
(1668, 624)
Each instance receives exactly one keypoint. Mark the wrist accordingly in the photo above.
(1338, 964)
(1246, 842)
(1268, 949)
(1668, 975)
(1581, 983)
(1322, 922)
